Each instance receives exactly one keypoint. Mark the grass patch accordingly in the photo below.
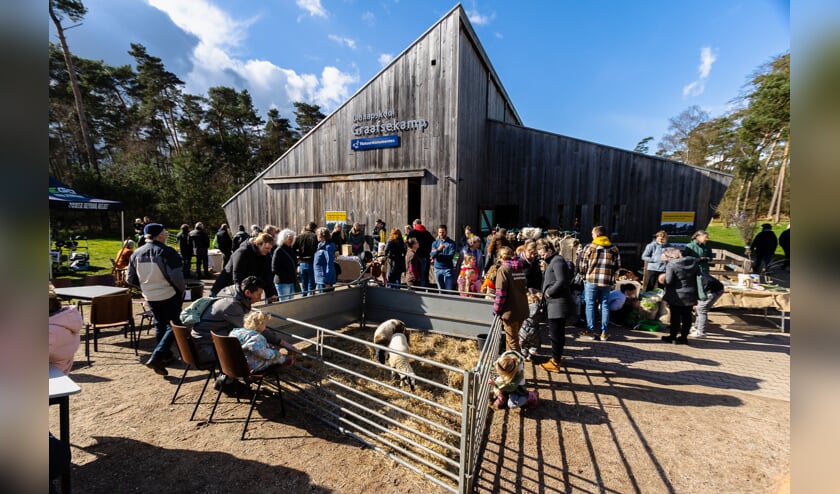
(730, 239)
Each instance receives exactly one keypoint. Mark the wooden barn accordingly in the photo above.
(435, 136)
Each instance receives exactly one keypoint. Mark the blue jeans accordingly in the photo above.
(285, 291)
(702, 310)
(307, 278)
(394, 279)
(165, 311)
(424, 271)
(444, 278)
(591, 294)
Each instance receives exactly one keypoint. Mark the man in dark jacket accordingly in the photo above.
(225, 314)
(241, 236)
(764, 245)
(784, 243)
(224, 242)
(425, 239)
(184, 248)
(305, 246)
(559, 304)
(200, 241)
(156, 269)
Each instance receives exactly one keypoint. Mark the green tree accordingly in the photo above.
(307, 116)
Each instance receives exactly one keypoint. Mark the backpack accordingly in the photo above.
(191, 315)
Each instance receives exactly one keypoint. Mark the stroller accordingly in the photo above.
(529, 333)
(80, 257)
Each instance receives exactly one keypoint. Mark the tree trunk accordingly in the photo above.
(781, 184)
(77, 93)
(767, 166)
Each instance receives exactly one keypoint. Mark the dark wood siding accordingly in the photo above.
(539, 170)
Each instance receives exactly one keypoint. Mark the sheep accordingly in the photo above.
(382, 336)
(400, 364)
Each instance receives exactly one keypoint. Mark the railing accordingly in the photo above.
(437, 433)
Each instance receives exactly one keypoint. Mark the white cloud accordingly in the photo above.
(478, 18)
(369, 18)
(696, 88)
(313, 7)
(385, 59)
(498, 35)
(343, 41)
(215, 63)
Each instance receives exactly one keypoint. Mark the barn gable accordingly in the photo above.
(435, 136)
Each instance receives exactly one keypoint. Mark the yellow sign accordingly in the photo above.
(336, 216)
(677, 217)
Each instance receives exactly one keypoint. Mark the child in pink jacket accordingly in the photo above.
(65, 325)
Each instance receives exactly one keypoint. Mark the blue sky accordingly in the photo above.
(605, 71)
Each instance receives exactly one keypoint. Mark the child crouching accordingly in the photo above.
(259, 353)
(509, 385)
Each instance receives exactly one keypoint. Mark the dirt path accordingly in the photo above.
(602, 426)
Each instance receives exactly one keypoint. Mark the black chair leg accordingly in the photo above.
(87, 343)
(213, 411)
(280, 394)
(95, 334)
(135, 338)
(184, 376)
(210, 374)
(251, 409)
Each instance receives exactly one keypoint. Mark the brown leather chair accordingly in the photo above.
(234, 365)
(108, 312)
(189, 354)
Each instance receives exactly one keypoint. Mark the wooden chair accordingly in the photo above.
(109, 312)
(234, 365)
(100, 279)
(189, 354)
(61, 282)
(118, 274)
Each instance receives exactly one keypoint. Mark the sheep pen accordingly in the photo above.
(347, 383)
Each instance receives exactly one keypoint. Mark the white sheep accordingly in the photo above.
(382, 336)
(400, 364)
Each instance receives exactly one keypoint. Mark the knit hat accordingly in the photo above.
(153, 229)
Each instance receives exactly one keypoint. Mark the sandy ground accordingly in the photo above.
(596, 430)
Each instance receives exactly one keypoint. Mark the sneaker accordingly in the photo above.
(157, 365)
(604, 336)
(219, 382)
(586, 335)
(551, 366)
(697, 334)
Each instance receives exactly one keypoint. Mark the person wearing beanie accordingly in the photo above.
(157, 270)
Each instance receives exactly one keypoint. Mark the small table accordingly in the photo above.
(88, 292)
(748, 298)
(61, 387)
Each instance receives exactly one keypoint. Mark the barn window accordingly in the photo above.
(486, 220)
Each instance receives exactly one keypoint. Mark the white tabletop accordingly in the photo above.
(88, 292)
(61, 385)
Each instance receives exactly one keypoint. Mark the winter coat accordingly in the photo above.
(200, 241)
(511, 303)
(599, 262)
(305, 246)
(184, 245)
(65, 325)
(224, 242)
(324, 263)
(653, 256)
(700, 251)
(424, 238)
(557, 290)
(221, 316)
(238, 239)
(681, 281)
(764, 243)
(356, 241)
(284, 265)
(157, 270)
(396, 250)
(248, 261)
(413, 268)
